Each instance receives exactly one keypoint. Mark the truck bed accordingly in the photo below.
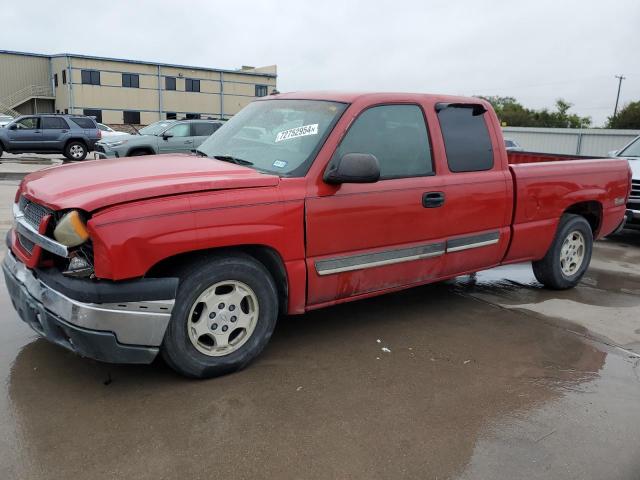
(516, 158)
(547, 185)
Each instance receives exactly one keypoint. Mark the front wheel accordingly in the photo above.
(224, 315)
(75, 151)
(568, 257)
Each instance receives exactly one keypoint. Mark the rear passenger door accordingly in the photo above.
(363, 238)
(54, 132)
(478, 189)
(200, 131)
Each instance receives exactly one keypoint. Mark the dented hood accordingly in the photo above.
(101, 183)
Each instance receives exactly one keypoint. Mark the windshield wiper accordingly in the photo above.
(230, 159)
(199, 153)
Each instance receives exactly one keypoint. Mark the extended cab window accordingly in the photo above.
(396, 135)
(203, 129)
(466, 138)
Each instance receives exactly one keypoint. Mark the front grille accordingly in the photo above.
(33, 212)
(26, 243)
(99, 148)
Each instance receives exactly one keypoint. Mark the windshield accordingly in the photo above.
(275, 136)
(632, 150)
(156, 128)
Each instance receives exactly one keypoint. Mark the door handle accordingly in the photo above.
(188, 141)
(432, 199)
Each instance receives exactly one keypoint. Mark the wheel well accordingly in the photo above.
(147, 150)
(267, 256)
(591, 211)
(75, 140)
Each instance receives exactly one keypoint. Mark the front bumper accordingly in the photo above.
(103, 152)
(632, 219)
(128, 332)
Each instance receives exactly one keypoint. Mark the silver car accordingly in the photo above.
(5, 120)
(166, 136)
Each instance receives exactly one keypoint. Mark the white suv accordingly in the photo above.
(632, 153)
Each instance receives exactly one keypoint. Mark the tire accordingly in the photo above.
(139, 153)
(76, 151)
(1, 151)
(191, 347)
(568, 257)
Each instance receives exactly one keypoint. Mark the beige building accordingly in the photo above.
(118, 91)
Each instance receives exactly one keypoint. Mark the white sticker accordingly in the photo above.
(297, 132)
(279, 164)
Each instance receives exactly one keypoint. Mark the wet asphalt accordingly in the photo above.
(482, 377)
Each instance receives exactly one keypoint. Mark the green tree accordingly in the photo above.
(627, 117)
(514, 114)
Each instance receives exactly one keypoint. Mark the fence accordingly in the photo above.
(570, 141)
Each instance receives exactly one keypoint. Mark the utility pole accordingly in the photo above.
(620, 79)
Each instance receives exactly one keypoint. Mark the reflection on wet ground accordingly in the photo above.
(480, 381)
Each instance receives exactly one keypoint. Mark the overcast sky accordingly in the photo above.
(535, 51)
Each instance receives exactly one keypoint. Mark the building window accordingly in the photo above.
(192, 85)
(64, 77)
(172, 115)
(131, 80)
(66, 111)
(170, 83)
(261, 91)
(191, 116)
(97, 114)
(91, 77)
(131, 118)
(55, 80)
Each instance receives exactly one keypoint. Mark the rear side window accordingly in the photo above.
(83, 122)
(466, 139)
(203, 129)
(396, 135)
(53, 123)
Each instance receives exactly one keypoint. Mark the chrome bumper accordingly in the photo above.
(132, 323)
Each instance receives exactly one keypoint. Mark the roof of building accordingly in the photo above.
(243, 71)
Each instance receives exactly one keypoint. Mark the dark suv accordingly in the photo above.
(71, 135)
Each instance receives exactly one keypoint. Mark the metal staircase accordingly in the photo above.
(10, 102)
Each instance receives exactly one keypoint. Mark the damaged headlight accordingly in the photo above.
(71, 230)
(116, 143)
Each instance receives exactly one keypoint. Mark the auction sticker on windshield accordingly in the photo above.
(297, 132)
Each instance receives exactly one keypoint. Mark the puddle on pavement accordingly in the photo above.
(323, 401)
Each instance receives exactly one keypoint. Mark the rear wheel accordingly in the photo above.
(225, 313)
(568, 257)
(1, 152)
(75, 151)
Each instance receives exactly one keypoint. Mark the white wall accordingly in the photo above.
(588, 141)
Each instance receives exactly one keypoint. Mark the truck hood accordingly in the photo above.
(101, 183)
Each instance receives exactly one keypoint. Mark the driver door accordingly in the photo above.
(27, 135)
(179, 139)
(369, 237)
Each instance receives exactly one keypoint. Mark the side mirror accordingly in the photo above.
(613, 153)
(13, 127)
(167, 135)
(353, 168)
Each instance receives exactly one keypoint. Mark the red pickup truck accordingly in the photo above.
(298, 202)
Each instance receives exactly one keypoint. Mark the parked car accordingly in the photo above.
(196, 256)
(512, 145)
(167, 136)
(71, 135)
(107, 131)
(5, 120)
(631, 152)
